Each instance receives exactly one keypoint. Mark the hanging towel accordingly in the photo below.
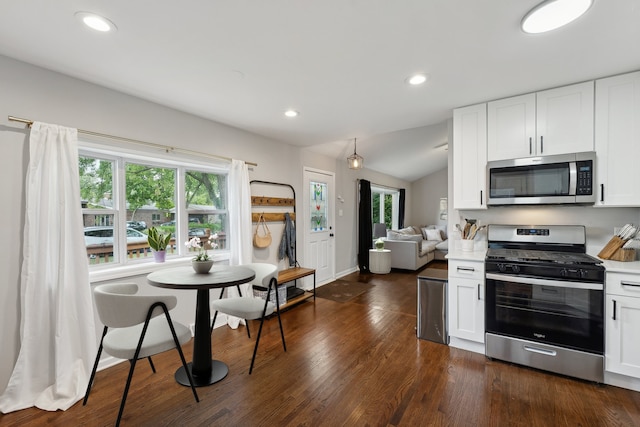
(288, 243)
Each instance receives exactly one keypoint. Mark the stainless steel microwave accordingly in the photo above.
(558, 179)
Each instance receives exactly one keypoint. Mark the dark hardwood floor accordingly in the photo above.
(355, 364)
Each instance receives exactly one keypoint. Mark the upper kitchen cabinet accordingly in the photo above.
(511, 127)
(469, 157)
(617, 140)
(554, 121)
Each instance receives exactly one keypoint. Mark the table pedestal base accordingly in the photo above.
(219, 370)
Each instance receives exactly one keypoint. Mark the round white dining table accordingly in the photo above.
(204, 370)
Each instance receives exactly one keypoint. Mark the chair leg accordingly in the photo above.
(274, 282)
(215, 315)
(95, 368)
(153, 368)
(179, 348)
(245, 320)
(126, 391)
(264, 312)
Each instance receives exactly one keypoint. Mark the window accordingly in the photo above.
(122, 196)
(384, 206)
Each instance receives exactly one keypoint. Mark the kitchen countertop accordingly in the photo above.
(632, 267)
(477, 255)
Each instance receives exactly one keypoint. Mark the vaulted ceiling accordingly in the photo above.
(342, 64)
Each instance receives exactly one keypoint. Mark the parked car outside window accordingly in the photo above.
(103, 236)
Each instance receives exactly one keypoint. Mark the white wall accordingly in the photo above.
(426, 194)
(37, 94)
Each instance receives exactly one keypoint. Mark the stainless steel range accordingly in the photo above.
(545, 300)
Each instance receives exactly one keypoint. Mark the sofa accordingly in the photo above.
(413, 247)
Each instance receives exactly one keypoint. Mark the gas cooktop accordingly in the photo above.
(541, 256)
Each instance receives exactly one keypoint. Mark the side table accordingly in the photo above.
(380, 261)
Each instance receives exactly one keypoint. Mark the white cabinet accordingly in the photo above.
(554, 121)
(466, 300)
(469, 157)
(617, 140)
(622, 347)
(511, 127)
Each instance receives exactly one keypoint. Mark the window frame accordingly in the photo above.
(123, 266)
(395, 203)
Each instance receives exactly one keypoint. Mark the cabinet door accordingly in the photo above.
(564, 119)
(511, 126)
(469, 157)
(466, 309)
(622, 348)
(618, 140)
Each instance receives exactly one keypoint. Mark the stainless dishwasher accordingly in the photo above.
(432, 304)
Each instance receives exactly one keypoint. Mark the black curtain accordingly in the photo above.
(365, 233)
(401, 209)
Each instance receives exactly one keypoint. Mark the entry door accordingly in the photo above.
(318, 224)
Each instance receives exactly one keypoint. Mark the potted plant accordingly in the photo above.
(158, 242)
(202, 263)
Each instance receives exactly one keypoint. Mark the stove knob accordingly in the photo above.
(583, 273)
(501, 267)
(564, 272)
(515, 268)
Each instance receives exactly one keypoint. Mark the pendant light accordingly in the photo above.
(355, 161)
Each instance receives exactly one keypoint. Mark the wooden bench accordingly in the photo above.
(293, 274)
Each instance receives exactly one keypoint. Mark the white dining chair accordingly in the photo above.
(134, 328)
(250, 307)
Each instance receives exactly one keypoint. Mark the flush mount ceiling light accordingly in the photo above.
(96, 22)
(552, 14)
(355, 161)
(417, 79)
(291, 113)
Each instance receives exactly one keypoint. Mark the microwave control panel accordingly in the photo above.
(584, 185)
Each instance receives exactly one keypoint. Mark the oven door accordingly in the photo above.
(563, 313)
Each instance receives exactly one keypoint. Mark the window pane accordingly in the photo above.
(206, 203)
(96, 183)
(96, 191)
(318, 207)
(98, 238)
(150, 194)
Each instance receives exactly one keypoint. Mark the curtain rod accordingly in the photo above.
(136, 141)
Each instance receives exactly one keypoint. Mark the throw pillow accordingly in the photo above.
(434, 234)
(407, 230)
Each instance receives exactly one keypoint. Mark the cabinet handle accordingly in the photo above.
(602, 192)
(470, 269)
(478, 291)
(530, 145)
(614, 310)
(635, 284)
(541, 144)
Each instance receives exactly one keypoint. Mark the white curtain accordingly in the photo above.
(57, 332)
(240, 225)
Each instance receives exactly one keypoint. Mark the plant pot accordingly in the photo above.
(202, 267)
(467, 245)
(159, 256)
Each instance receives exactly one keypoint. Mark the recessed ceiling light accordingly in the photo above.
(291, 113)
(552, 14)
(96, 22)
(417, 79)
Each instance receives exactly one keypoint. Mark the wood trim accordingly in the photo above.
(272, 216)
(271, 201)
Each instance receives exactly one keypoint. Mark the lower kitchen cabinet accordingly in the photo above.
(466, 304)
(622, 348)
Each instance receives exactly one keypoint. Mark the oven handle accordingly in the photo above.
(540, 350)
(545, 282)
